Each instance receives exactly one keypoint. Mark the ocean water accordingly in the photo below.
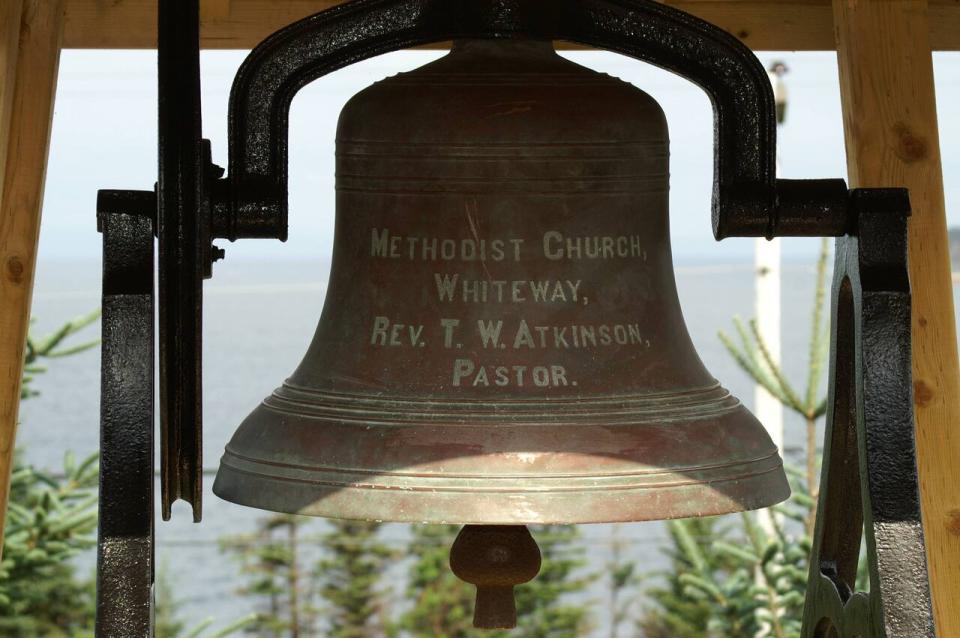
(259, 318)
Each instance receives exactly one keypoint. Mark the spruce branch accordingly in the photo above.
(688, 545)
(793, 401)
(821, 408)
(49, 347)
(768, 552)
(818, 336)
(750, 366)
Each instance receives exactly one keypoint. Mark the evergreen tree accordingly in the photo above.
(50, 519)
(545, 606)
(678, 612)
(713, 590)
(271, 559)
(623, 581)
(168, 624)
(348, 580)
(442, 603)
(166, 617)
(50, 347)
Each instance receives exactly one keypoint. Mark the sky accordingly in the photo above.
(104, 136)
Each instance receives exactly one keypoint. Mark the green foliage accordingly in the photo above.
(443, 604)
(779, 558)
(51, 347)
(623, 582)
(754, 357)
(544, 605)
(681, 611)
(166, 617)
(50, 519)
(734, 581)
(167, 621)
(200, 631)
(271, 560)
(737, 581)
(348, 580)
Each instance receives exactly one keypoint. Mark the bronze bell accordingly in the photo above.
(502, 342)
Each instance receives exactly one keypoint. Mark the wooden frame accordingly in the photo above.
(787, 25)
(889, 110)
(890, 125)
(30, 54)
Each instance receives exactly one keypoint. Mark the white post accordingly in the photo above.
(767, 311)
(767, 304)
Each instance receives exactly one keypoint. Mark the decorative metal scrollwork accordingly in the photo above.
(748, 200)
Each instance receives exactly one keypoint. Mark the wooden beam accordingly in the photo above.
(890, 122)
(214, 10)
(26, 138)
(10, 13)
(802, 25)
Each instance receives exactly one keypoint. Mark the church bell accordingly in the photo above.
(501, 341)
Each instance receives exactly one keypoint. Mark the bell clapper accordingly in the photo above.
(495, 558)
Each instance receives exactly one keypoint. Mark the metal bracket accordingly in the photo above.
(125, 544)
(747, 198)
(869, 480)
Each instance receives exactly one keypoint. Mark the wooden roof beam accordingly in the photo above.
(765, 25)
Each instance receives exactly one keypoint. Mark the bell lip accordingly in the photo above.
(611, 460)
(765, 486)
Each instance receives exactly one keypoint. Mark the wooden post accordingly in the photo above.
(24, 140)
(890, 121)
(10, 13)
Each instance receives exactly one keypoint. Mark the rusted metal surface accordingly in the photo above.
(502, 340)
(869, 484)
(495, 558)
